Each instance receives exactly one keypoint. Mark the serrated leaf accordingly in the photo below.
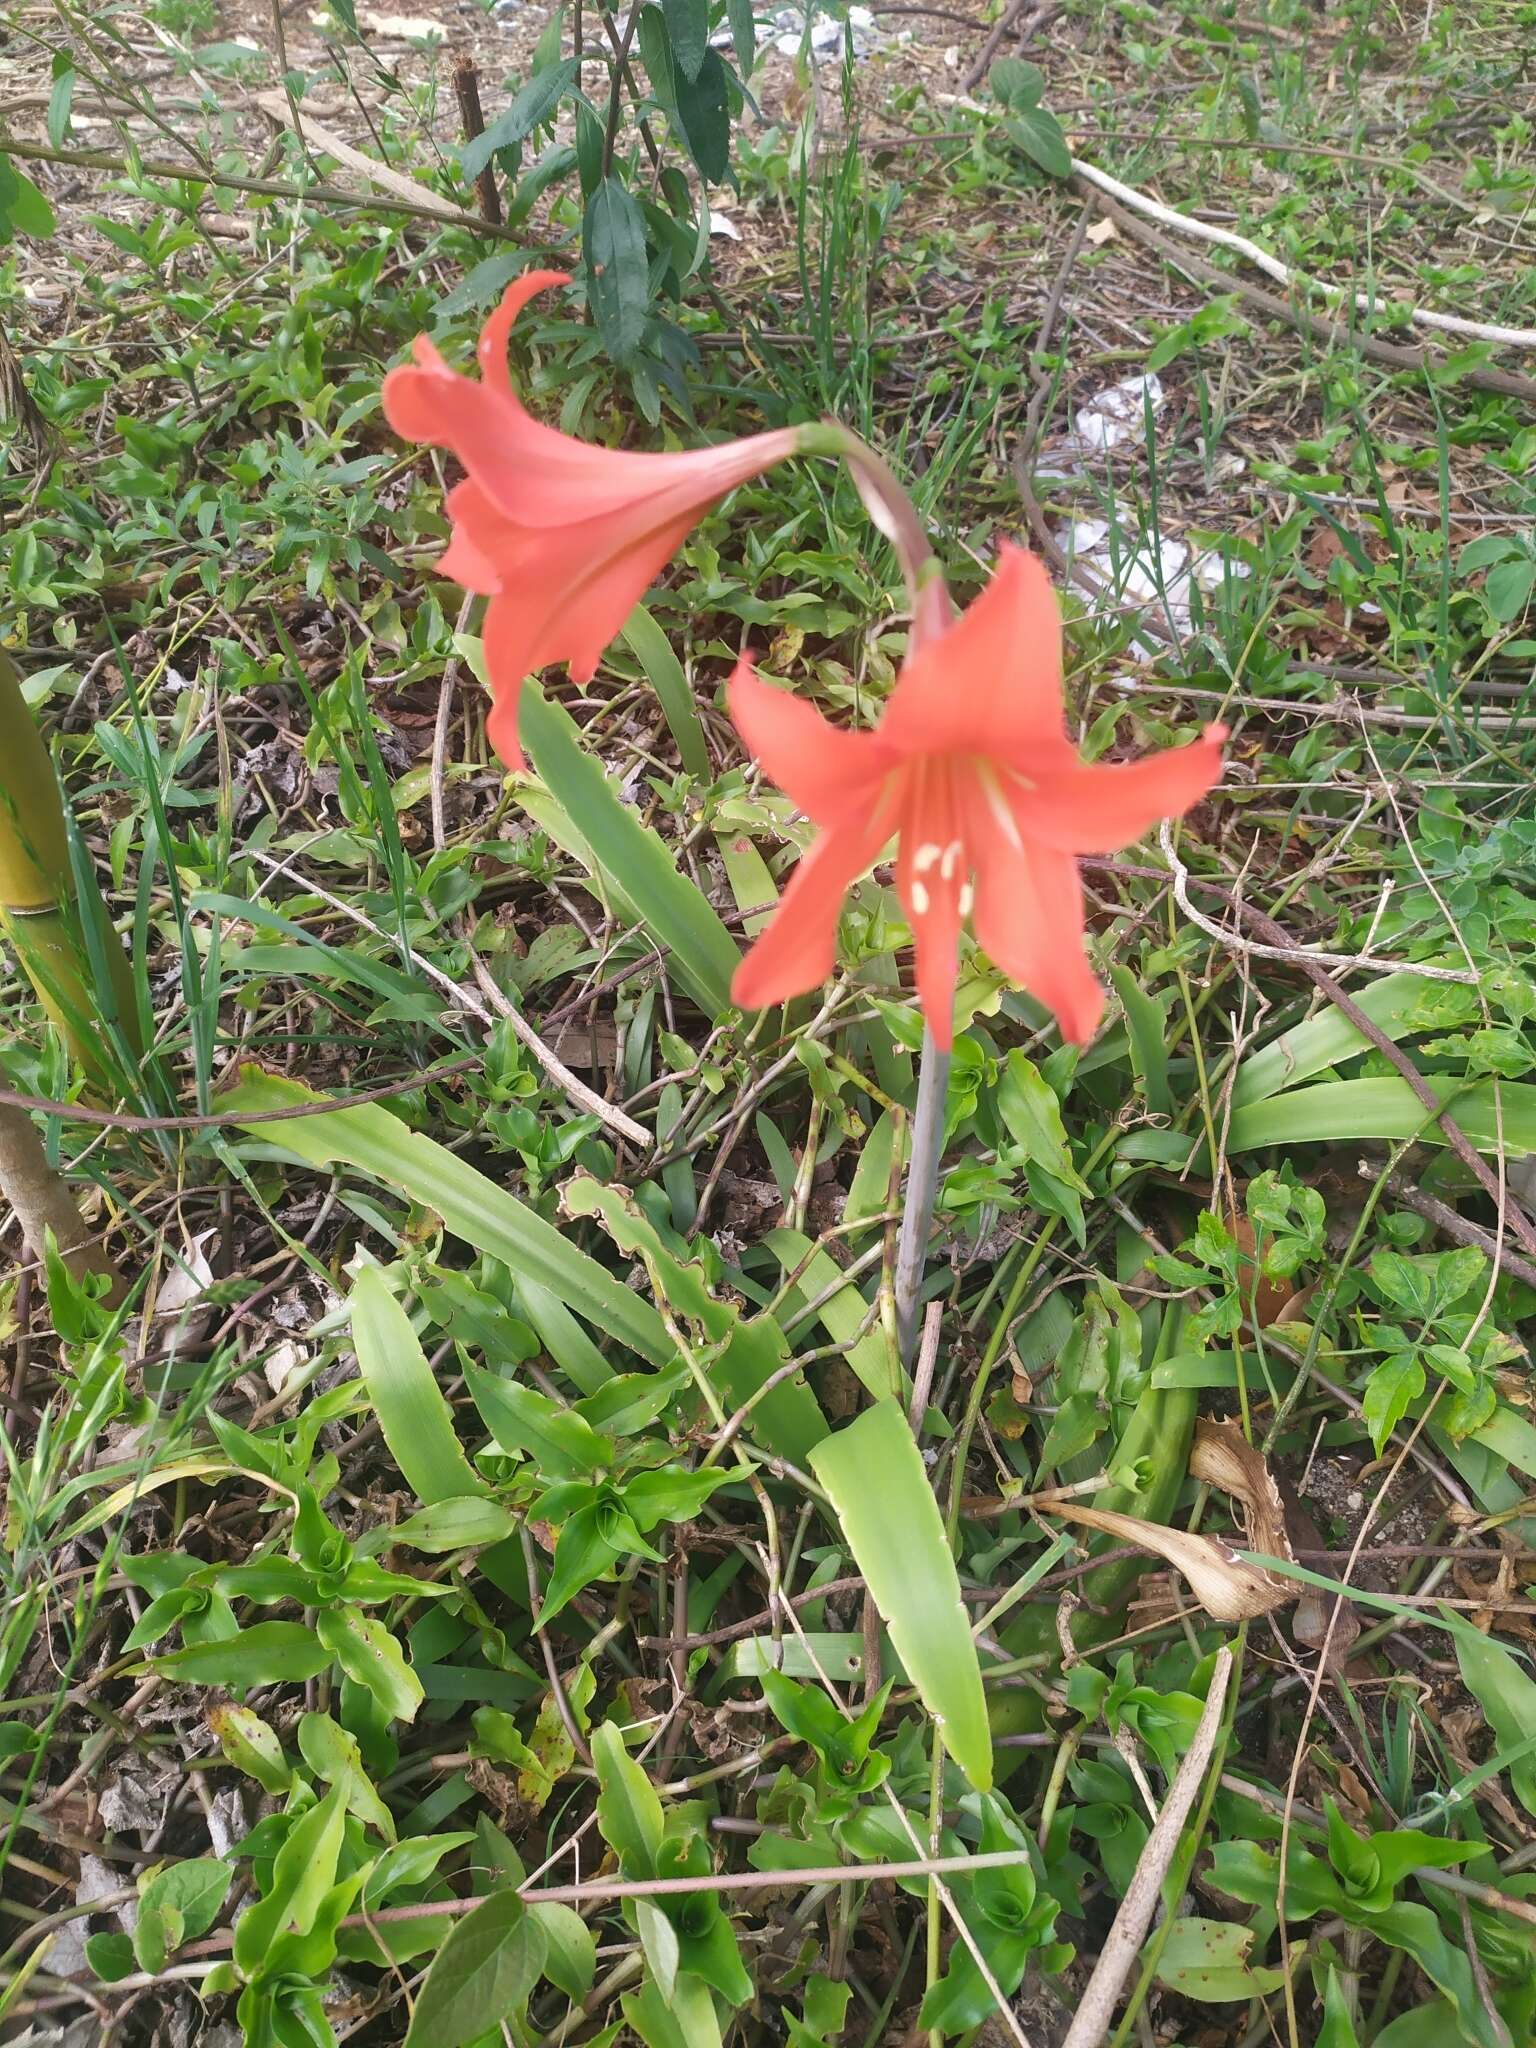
(535, 103)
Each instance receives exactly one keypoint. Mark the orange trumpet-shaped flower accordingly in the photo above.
(972, 767)
(564, 538)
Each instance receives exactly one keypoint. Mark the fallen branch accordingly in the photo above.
(1293, 280)
(423, 205)
(1319, 327)
(1097, 2005)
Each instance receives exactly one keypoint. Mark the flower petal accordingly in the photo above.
(1100, 807)
(497, 331)
(991, 683)
(1029, 919)
(798, 950)
(826, 772)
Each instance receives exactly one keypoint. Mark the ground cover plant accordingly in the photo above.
(733, 1311)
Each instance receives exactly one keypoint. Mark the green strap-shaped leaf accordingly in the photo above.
(875, 1476)
(676, 914)
(471, 1205)
(413, 1413)
(667, 677)
(1398, 1003)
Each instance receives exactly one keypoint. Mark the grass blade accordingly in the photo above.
(665, 673)
(674, 911)
(472, 1206)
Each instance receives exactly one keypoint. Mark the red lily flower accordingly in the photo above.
(972, 767)
(564, 538)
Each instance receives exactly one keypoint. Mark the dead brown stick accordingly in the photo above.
(466, 86)
(1096, 2007)
(1320, 327)
(1452, 1224)
(1000, 28)
(1275, 935)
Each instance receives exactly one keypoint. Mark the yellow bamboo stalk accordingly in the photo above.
(40, 912)
(43, 913)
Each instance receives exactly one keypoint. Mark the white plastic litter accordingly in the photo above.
(722, 224)
(412, 28)
(1139, 574)
(1118, 417)
(827, 34)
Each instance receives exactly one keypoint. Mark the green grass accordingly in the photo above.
(220, 589)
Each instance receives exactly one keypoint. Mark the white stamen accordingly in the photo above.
(920, 898)
(967, 898)
(925, 857)
(997, 805)
(952, 854)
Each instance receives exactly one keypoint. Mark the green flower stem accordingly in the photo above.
(897, 518)
(922, 1190)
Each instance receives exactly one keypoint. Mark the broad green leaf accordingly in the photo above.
(196, 1889)
(111, 1956)
(686, 2020)
(1146, 1025)
(472, 1205)
(628, 1811)
(653, 650)
(879, 1486)
(267, 1653)
(704, 116)
(1506, 1692)
(1392, 1386)
(251, 1746)
(618, 283)
(1039, 134)
(60, 97)
(370, 1656)
(467, 1523)
(570, 1960)
(480, 1976)
(1207, 1960)
(1338, 2029)
(1509, 586)
(674, 910)
(529, 1424)
(1400, 1003)
(303, 1873)
(413, 1414)
(23, 208)
(788, 1419)
(535, 103)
